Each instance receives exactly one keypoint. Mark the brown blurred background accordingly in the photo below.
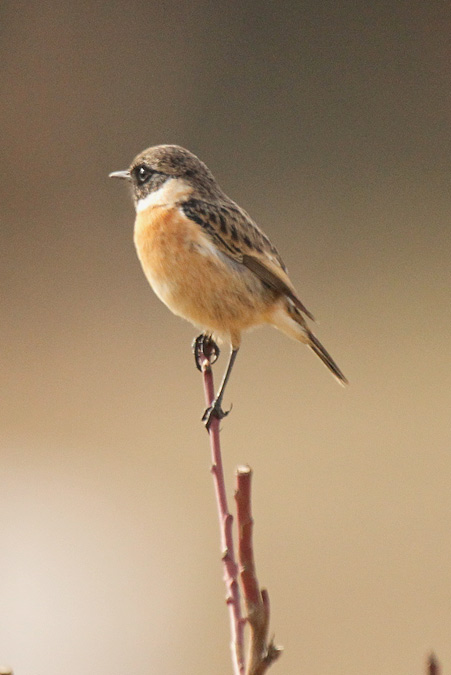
(330, 123)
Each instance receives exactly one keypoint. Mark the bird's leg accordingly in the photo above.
(215, 410)
(206, 346)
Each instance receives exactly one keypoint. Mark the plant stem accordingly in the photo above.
(225, 524)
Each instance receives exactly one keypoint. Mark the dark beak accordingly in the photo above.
(120, 174)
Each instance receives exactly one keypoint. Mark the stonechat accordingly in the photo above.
(207, 260)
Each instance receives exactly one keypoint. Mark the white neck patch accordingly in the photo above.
(172, 191)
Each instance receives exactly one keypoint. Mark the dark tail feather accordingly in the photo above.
(325, 357)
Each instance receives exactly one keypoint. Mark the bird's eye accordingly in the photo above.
(143, 173)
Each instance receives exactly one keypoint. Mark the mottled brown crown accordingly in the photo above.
(152, 167)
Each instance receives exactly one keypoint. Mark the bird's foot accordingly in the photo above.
(205, 346)
(215, 410)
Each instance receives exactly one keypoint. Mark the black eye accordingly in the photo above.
(143, 173)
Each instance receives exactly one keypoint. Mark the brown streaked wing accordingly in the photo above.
(274, 281)
(239, 238)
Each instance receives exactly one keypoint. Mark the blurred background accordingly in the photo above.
(330, 123)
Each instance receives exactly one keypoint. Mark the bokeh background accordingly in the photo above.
(330, 123)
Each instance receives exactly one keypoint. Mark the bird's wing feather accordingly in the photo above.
(238, 237)
(265, 271)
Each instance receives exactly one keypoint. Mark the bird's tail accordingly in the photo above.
(316, 346)
(290, 320)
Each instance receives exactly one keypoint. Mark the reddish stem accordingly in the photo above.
(261, 654)
(433, 667)
(225, 526)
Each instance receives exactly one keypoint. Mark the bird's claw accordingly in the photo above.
(205, 346)
(215, 410)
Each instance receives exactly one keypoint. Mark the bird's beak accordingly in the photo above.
(120, 174)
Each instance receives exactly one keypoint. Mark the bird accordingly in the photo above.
(208, 261)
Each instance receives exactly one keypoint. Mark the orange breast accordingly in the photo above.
(166, 242)
(191, 278)
(161, 237)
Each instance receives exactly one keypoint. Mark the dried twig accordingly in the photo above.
(432, 665)
(261, 653)
(205, 356)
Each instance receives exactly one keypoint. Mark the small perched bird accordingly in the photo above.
(207, 260)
